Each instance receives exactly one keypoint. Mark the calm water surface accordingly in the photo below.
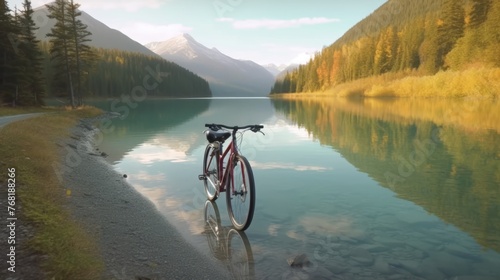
(367, 189)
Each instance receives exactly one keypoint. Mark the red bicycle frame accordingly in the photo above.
(240, 196)
(233, 152)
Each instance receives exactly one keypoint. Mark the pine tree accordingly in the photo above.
(30, 58)
(83, 54)
(450, 29)
(382, 55)
(492, 34)
(479, 12)
(60, 49)
(8, 54)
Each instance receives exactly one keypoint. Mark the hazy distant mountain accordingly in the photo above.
(275, 69)
(227, 76)
(287, 69)
(102, 35)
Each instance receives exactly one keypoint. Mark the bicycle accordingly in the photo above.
(236, 180)
(228, 245)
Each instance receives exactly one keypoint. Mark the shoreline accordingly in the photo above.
(477, 83)
(134, 239)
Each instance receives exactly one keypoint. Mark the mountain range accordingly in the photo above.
(227, 76)
(102, 35)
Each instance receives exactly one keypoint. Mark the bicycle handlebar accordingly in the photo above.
(252, 127)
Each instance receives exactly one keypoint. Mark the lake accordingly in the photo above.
(365, 188)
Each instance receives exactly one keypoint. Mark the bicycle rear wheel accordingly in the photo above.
(240, 194)
(211, 171)
(213, 230)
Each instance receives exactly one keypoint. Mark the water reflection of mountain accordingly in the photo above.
(452, 171)
(147, 119)
(178, 123)
(189, 135)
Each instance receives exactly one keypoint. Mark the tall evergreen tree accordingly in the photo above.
(83, 54)
(60, 49)
(479, 12)
(30, 58)
(8, 56)
(450, 29)
(71, 55)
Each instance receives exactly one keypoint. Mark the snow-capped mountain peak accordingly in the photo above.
(302, 58)
(182, 45)
(186, 46)
(227, 76)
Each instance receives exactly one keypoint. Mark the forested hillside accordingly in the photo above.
(67, 66)
(405, 36)
(117, 73)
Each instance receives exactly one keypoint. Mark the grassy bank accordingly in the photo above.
(29, 147)
(476, 82)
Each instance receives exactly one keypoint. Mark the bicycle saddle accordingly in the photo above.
(219, 135)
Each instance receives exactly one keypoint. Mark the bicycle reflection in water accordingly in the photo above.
(227, 244)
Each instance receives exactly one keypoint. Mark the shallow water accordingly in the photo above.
(366, 189)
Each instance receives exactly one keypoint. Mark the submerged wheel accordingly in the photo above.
(240, 194)
(211, 171)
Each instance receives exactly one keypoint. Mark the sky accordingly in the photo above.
(264, 31)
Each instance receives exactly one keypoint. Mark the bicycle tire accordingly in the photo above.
(213, 229)
(240, 256)
(211, 171)
(244, 192)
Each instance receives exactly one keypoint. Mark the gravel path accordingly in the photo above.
(8, 119)
(136, 241)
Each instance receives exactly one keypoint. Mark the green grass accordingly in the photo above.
(29, 146)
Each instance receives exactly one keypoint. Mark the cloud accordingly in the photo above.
(273, 229)
(285, 165)
(276, 23)
(155, 195)
(146, 33)
(225, 20)
(144, 176)
(130, 5)
(148, 154)
(283, 127)
(127, 5)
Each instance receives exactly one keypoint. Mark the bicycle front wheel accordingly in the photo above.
(240, 194)
(240, 256)
(211, 171)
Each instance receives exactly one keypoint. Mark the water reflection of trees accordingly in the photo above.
(451, 169)
(147, 118)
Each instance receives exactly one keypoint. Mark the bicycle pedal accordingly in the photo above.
(202, 177)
